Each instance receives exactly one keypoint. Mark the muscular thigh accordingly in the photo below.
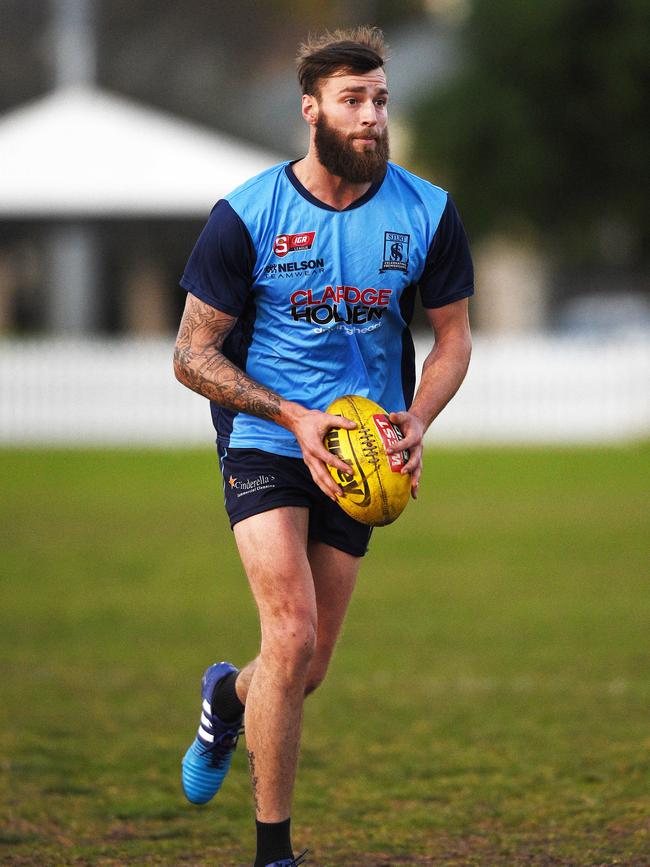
(290, 575)
(273, 549)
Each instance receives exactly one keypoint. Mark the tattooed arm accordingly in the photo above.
(200, 365)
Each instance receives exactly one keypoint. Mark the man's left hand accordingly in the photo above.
(413, 431)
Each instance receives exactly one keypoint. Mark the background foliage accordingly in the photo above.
(546, 125)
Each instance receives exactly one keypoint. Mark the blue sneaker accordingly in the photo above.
(208, 759)
(290, 862)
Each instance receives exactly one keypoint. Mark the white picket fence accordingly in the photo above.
(538, 389)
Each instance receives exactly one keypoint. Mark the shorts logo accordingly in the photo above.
(284, 244)
(251, 486)
(396, 252)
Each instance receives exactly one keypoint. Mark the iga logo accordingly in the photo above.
(284, 244)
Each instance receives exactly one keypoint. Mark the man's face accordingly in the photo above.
(351, 135)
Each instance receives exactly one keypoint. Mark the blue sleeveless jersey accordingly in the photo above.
(323, 298)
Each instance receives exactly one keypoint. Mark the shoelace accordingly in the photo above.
(223, 745)
(299, 859)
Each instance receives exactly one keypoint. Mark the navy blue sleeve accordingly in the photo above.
(448, 273)
(220, 268)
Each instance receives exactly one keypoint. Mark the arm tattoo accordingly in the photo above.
(200, 365)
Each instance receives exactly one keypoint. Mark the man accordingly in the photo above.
(300, 289)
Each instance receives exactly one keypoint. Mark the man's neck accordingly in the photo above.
(327, 188)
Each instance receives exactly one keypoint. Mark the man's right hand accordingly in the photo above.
(309, 427)
(201, 366)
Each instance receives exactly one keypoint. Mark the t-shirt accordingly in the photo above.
(324, 297)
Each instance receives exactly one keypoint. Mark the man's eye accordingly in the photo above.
(351, 100)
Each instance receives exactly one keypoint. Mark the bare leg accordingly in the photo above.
(334, 574)
(243, 682)
(273, 549)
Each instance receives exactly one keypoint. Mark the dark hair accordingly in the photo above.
(361, 49)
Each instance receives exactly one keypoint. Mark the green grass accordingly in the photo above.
(489, 703)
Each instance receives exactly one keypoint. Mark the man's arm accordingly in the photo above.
(442, 374)
(200, 365)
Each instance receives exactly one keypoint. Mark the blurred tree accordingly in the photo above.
(546, 126)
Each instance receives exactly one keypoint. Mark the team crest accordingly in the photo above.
(396, 252)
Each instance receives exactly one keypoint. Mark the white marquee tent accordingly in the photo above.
(83, 152)
(80, 154)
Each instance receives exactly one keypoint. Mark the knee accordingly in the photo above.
(313, 682)
(290, 642)
(316, 674)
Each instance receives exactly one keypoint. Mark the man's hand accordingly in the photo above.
(309, 428)
(201, 366)
(442, 373)
(413, 430)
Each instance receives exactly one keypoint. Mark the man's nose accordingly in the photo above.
(369, 114)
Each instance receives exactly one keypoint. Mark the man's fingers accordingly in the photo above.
(316, 461)
(414, 463)
(338, 464)
(415, 481)
(325, 482)
(339, 421)
(411, 437)
(410, 466)
(409, 442)
(332, 460)
(331, 490)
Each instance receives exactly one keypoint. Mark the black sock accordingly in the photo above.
(225, 702)
(273, 842)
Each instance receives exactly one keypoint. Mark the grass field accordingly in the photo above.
(489, 703)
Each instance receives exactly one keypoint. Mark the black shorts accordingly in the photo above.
(255, 481)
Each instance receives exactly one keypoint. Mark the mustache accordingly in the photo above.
(373, 135)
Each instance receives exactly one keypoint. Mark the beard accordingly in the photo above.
(337, 154)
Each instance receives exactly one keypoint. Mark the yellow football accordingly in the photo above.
(374, 491)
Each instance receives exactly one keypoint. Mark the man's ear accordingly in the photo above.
(309, 108)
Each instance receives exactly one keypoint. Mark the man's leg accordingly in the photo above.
(273, 549)
(334, 575)
(302, 591)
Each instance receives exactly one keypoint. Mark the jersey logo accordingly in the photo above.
(396, 252)
(343, 307)
(284, 244)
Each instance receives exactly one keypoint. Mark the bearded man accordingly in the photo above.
(300, 289)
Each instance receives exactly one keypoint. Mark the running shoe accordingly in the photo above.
(290, 862)
(208, 759)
